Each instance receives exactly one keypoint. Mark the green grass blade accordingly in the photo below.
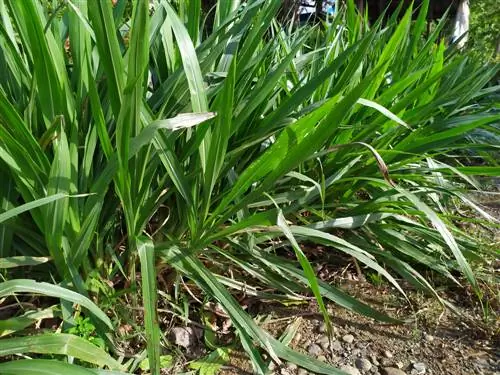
(30, 205)
(18, 323)
(61, 343)
(306, 267)
(149, 295)
(101, 18)
(11, 287)
(247, 328)
(441, 227)
(21, 261)
(42, 367)
(337, 296)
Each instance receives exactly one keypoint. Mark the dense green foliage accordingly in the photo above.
(484, 38)
(200, 156)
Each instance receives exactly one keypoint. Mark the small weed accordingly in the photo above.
(85, 329)
(212, 363)
(375, 278)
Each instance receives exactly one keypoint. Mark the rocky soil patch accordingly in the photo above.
(362, 346)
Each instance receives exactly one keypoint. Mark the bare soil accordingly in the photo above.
(440, 340)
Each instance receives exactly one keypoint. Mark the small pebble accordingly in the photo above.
(388, 354)
(373, 358)
(348, 339)
(272, 366)
(363, 364)
(322, 328)
(302, 372)
(298, 337)
(392, 371)
(183, 336)
(336, 346)
(399, 365)
(325, 344)
(386, 362)
(350, 370)
(428, 338)
(291, 366)
(356, 352)
(419, 368)
(322, 358)
(323, 340)
(314, 349)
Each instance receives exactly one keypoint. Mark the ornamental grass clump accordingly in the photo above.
(158, 140)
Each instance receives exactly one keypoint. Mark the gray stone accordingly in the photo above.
(373, 359)
(363, 364)
(428, 338)
(388, 354)
(324, 342)
(399, 365)
(392, 371)
(302, 372)
(183, 336)
(291, 366)
(419, 368)
(322, 328)
(336, 346)
(348, 339)
(350, 370)
(322, 358)
(356, 352)
(314, 349)
(386, 362)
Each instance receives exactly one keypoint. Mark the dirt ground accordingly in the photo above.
(435, 342)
